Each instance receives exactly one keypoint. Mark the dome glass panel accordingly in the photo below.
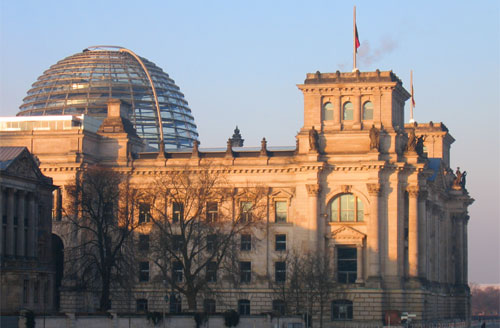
(84, 82)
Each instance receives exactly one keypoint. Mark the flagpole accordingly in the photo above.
(412, 99)
(354, 69)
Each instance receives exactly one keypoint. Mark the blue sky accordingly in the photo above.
(238, 62)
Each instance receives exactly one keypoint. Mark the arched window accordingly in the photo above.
(346, 208)
(368, 110)
(328, 111)
(348, 111)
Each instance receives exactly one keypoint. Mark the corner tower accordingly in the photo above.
(350, 104)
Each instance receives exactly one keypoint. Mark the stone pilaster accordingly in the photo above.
(423, 234)
(413, 232)
(20, 251)
(460, 250)
(360, 274)
(316, 227)
(10, 223)
(373, 241)
(32, 245)
(357, 112)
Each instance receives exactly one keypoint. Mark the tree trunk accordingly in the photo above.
(104, 303)
(191, 298)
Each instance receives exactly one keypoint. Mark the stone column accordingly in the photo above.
(373, 241)
(359, 254)
(465, 250)
(337, 111)
(316, 225)
(32, 244)
(460, 249)
(423, 237)
(10, 223)
(20, 251)
(413, 233)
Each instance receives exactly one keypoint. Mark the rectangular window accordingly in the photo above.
(143, 271)
(209, 306)
(144, 243)
(26, 288)
(245, 272)
(212, 211)
(246, 243)
(347, 265)
(244, 307)
(177, 271)
(279, 307)
(177, 212)
(175, 303)
(211, 243)
(280, 243)
(36, 292)
(46, 291)
(246, 211)
(177, 243)
(341, 310)
(211, 272)
(144, 213)
(280, 211)
(141, 305)
(280, 271)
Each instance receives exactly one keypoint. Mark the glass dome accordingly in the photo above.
(83, 83)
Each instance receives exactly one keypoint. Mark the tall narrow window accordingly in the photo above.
(347, 265)
(246, 243)
(212, 211)
(211, 243)
(175, 303)
(280, 211)
(348, 111)
(143, 243)
(280, 242)
(280, 271)
(347, 208)
(244, 307)
(245, 272)
(144, 213)
(177, 212)
(211, 274)
(368, 111)
(36, 292)
(328, 111)
(177, 243)
(177, 271)
(279, 307)
(143, 271)
(209, 305)
(141, 305)
(26, 288)
(246, 211)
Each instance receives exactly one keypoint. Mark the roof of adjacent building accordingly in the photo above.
(9, 154)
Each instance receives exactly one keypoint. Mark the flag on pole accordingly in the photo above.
(356, 37)
(412, 93)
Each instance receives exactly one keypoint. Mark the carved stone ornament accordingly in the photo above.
(346, 188)
(373, 188)
(347, 235)
(412, 191)
(313, 189)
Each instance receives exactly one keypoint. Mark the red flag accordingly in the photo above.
(412, 95)
(357, 38)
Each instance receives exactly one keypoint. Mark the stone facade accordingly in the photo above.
(26, 265)
(360, 185)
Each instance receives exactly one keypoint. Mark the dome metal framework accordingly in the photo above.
(83, 83)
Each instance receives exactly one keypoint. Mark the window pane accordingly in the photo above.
(281, 211)
(361, 212)
(368, 111)
(328, 111)
(348, 111)
(335, 210)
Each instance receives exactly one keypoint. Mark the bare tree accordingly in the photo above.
(309, 284)
(197, 221)
(100, 209)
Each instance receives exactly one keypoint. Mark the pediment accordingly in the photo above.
(25, 167)
(347, 234)
(283, 193)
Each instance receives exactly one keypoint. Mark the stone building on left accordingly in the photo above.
(27, 267)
